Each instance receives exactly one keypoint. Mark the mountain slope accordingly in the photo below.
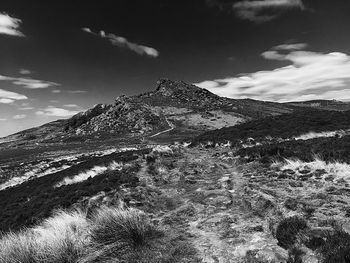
(173, 111)
(283, 127)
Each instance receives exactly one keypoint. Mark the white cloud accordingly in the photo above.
(57, 112)
(309, 76)
(256, 10)
(9, 96)
(19, 116)
(76, 91)
(71, 106)
(3, 119)
(10, 25)
(29, 83)
(56, 91)
(295, 46)
(26, 108)
(25, 71)
(122, 42)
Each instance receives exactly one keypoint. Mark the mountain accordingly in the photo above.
(260, 182)
(173, 111)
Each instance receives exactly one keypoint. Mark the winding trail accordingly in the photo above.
(215, 207)
(172, 127)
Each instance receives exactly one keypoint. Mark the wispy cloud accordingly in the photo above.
(56, 112)
(291, 46)
(56, 91)
(264, 10)
(76, 91)
(71, 106)
(26, 108)
(24, 71)
(122, 42)
(258, 11)
(9, 96)
(3, 119)
(10, 25)
(29, 83)
(310, 75)
(19, 116)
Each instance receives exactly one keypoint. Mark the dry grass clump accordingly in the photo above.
(110, 235)
(288, 229)
(61, 238)
(120, 234)
(336, 248)
(338, 169)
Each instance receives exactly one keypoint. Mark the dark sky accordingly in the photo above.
(276, 50)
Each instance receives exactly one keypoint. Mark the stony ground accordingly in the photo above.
(210, 200)
(229, 210)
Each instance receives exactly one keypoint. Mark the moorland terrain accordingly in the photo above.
(180, 175)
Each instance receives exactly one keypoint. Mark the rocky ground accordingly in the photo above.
(230, 210)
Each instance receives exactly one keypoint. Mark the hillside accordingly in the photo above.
(175, 106)
(124, 184)
(174, 110)
(287, 126)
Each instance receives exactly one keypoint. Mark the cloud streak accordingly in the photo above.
(310, 75)
(10, 25)
(19, 116)
(8, 97)
(122, 42)
(56, 112)
(258, 11)
(29, 83)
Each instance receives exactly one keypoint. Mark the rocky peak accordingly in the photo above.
(167, 87)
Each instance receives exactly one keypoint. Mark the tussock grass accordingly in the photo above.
(110, 235)
(338, 169)
(124, 234)
(325, 134)
(94, 171)
(336, 248)
(288, 229)
(61, 238)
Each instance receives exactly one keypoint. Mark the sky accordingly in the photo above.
(61, 57)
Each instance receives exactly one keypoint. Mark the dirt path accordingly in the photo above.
(217, 209)
(172, 126)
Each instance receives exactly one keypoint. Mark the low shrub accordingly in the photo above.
(336, 248)
(288, 229)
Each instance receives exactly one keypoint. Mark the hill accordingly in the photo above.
(285, 126)
(174, 106)
(115, 183)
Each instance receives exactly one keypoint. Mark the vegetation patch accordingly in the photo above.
(110, 235)
(288, 229)
(29, 202)
(336, 248)
(282, 126)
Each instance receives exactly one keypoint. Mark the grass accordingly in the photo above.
(284, 126)
(61, 238)
(288, 229)
(28, 203)
(328, 149)
(109, 235)
(336, 248)
(338, 169)
(121, 234)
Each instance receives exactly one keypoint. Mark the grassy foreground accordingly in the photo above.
(109, 235)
